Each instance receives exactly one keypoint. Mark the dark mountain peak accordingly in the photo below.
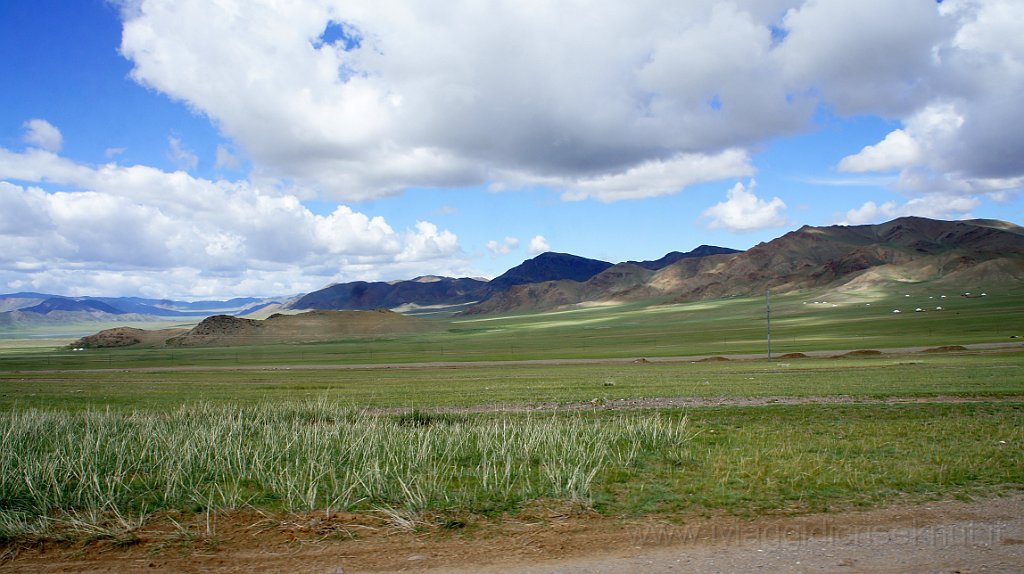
(550, 266)
(672, 257)
(425, 290)
(704, 250)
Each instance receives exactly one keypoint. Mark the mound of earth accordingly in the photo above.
(125, 337)
(225, 330)
(220, 330)
(716, 359)
(228, 330)
(861, 353)
(793, 356)
(945, 349)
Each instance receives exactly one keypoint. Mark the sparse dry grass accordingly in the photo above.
(99, 474)
(73, 471)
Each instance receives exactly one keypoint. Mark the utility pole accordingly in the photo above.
(768, 310)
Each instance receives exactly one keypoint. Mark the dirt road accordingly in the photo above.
(940, 536)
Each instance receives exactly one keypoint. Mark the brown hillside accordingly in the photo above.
(554, 294)
(906, 249)
(531, 296)
(226, 330)
(126, 337)
(962, 254)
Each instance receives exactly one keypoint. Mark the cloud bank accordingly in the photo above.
(141, 230)
(957, 137)
(360, 99)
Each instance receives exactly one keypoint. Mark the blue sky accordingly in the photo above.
(191, 150)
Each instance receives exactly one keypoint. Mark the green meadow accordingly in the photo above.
(989, 374)
(800, 322)
(101, 443)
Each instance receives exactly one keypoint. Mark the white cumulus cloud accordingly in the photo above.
(657, 178)
(611, 103)
(897, 150)
(539, 245)
(959, 135)
(432, 95)
(504, 247)
(744, 211)
(935, 206)
(44, 135)
(173, 234)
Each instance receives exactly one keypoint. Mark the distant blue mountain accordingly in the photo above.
(260, 307)
(27, 295)
(44, 303)
(65, 304)
(235, 303)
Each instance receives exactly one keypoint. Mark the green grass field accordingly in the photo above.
(801, 322)
(98, 453)
(992, 374)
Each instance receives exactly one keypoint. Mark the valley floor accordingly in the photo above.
(976, 525)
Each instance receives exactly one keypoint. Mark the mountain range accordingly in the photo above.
(451, 293)
(41, 309)
(961, 254)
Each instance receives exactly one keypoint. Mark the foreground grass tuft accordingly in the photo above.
(89, 466)
(89, 475)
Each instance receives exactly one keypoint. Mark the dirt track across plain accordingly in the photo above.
(947, 536)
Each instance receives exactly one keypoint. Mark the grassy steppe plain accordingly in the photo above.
(94, 454)
(800, 322)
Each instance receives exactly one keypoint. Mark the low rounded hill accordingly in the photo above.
(228, 330)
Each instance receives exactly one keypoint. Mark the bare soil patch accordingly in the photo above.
(694, 402)
(981, 535)
(945, 349)
(861, 353)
